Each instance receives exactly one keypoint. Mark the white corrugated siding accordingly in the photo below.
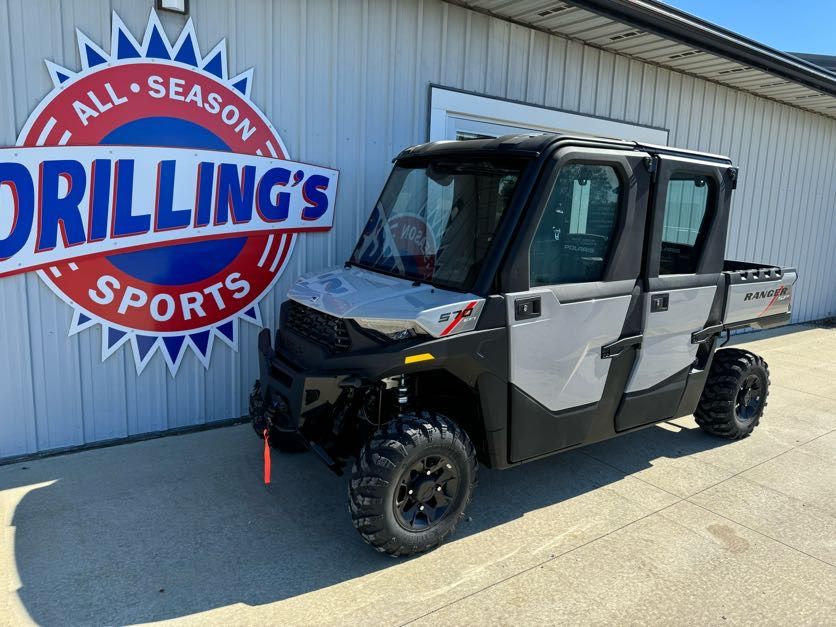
(346, 85)
(565, 19)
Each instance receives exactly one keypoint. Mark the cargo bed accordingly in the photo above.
(757, 295)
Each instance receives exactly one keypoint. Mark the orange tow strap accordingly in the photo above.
(266, 457)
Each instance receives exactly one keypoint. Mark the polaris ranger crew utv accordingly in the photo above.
(511, 298)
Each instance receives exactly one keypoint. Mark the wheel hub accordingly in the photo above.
(425, 492)
(749, 398)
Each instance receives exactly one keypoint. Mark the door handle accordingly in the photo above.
(526, 308)
(708, 333)
(659, 302)
(614, 349)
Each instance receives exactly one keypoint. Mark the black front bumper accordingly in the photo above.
(287, 391)
(313, 355)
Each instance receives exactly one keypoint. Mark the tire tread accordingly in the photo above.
(374, 468)
(715, 413)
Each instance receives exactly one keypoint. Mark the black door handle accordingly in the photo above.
(525, 308)
(614, 349)
(708, 333)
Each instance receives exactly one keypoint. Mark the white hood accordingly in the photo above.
(357, 293)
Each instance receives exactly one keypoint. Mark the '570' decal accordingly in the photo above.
(456, 316)
(465, 313)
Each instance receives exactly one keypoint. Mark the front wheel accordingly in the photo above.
(734, 397)
(411, 483)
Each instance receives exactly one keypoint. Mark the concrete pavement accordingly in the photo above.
(662, 526)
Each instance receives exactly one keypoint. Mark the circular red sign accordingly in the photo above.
(415, 243)
(186, 287)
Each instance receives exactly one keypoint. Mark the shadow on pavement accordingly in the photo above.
(182, 525)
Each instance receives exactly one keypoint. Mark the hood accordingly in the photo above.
(357, 293)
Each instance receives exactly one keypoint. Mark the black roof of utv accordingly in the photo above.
(534, 144)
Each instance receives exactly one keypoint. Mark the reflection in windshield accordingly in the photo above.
(435, 221)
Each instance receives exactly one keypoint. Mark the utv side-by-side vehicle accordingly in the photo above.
(511, 298)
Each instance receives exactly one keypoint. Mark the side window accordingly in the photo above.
(685, 223)
(575, 234)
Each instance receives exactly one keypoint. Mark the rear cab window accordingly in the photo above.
(686, 222)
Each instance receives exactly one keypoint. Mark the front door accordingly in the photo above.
(575, 331)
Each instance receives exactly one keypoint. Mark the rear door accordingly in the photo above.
(683, 283)
(574, 327)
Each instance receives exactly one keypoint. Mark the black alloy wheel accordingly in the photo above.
(749, 398)
(426, 491)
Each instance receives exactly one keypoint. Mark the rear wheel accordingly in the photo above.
(411, 483)
(734, 397)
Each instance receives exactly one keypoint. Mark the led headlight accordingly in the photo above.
(392, 329)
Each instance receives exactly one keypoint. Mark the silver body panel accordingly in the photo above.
(357, 293)
(759, 299)
(556, 358)
(666, 346)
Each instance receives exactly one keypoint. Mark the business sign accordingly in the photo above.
(154, 198)
(404, 243)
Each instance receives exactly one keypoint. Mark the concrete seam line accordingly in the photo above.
(779, 493)
(787, 387)
(760, 533)
(713, 485)
(626, 474)
(544, 562)
(806, 442)
(737, 474)
(737, 522)
(653, 485)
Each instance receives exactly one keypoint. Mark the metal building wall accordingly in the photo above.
(346, 85)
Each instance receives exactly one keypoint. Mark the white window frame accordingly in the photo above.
(452, 111)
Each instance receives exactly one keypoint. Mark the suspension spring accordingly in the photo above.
(403, 395)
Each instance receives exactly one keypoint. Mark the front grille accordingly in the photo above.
(326, 330)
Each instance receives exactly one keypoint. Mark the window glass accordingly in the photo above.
(575, 234)
(435, 220)
(684, 223)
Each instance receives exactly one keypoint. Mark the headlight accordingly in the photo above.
(392, 329)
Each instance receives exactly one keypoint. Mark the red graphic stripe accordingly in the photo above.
(778, 292)
(457, 319)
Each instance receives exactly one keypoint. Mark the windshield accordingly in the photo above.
(435, 221)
